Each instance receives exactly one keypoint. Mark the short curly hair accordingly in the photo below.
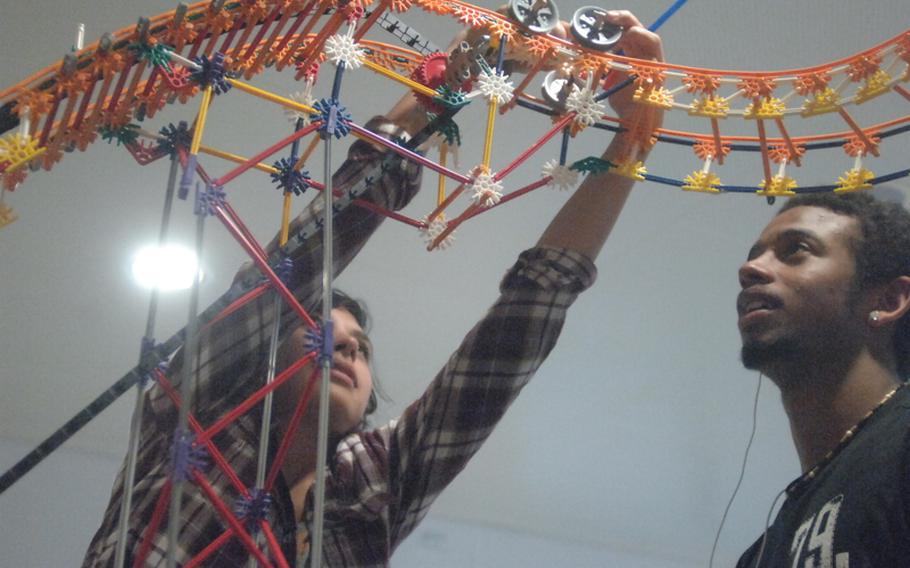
(881, 252)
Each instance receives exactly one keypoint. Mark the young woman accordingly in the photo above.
(380, 482)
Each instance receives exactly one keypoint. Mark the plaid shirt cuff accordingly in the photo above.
(551, 268)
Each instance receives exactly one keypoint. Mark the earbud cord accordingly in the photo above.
(764, 538)
(742, 474)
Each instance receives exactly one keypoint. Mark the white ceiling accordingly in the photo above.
(633, 433)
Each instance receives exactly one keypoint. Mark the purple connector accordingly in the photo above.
(284, 269)
(328, 341)
(189, 174)
(312, 339)
(321, 340)
(185, 456)
(254, 508)
(149, 378)
(148, 343)
(208, 199)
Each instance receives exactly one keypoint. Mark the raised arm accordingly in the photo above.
(410, 461)
(391, 188)
(585, 221)
(233, 352)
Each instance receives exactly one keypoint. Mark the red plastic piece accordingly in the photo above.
(432, 73)
(353, 12)
(145, 154)
(178, 78)
(309, 71)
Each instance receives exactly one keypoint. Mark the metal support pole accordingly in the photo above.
(136, 423)
(186, 393)
(323, 433)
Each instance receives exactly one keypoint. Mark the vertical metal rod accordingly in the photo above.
(327, 282)
(136, 423)
(265, 427)
(186, 394)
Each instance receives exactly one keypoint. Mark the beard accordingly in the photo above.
(757, 355)
(833, 339)
(794, 358)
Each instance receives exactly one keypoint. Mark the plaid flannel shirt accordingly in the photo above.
(379, 483)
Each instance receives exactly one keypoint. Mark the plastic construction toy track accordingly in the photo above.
(197, 54)
(133, 74)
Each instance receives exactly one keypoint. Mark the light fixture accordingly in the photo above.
(168, 268)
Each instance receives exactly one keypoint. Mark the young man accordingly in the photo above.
(822, 313)
(380, 483)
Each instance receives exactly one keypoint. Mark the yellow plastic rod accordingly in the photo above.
(307, 153)
(488, 141)
(400, 78)
(283, 101)
(234, 158)
(441, 192)
(285, 219)
(200, 120)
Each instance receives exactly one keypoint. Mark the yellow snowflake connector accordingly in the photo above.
(633, 170)
(777, 186)
(823, 102)
(18, 150)
(877, 84)
(768, 109)
(654, 96)
(7, 215)
(710, 107)
(701, 181)
(854, 180)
